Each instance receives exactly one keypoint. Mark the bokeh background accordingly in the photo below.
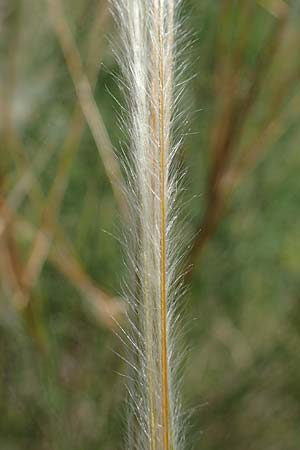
(60, 259)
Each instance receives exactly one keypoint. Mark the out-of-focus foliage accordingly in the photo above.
(60, 262)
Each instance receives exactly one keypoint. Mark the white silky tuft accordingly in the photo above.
(149, 33)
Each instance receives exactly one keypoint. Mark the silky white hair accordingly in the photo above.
(149, 36)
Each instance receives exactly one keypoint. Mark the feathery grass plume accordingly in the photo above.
(148, 30)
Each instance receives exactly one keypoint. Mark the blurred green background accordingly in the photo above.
(61, 264)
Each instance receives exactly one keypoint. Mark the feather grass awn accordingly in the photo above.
(148, 57)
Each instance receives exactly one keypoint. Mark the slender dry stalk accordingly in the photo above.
(15, 197)
(86, 100)
(43, 239)
(105, 307)
(275, 7)
(148, 28)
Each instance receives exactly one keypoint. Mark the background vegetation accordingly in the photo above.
(60, 262)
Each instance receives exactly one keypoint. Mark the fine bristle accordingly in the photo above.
(149, 32)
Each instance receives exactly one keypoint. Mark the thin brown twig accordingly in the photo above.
(87, 102)
(24, 184)
(270, 133)
(106, 307)
(60, 254)
(275, 7)
(40, 246)
(226, 140)
(11, 269)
